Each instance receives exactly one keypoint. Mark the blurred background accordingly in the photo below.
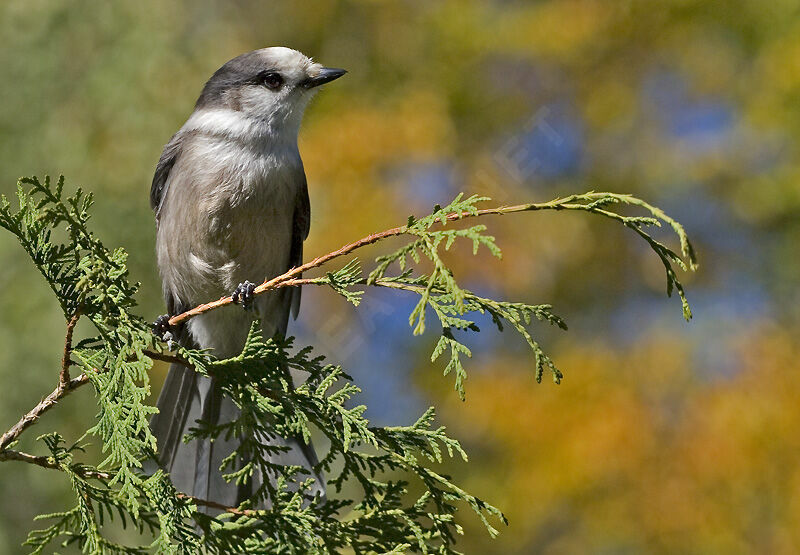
(664, 436)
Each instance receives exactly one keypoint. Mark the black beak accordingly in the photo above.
(326, 75)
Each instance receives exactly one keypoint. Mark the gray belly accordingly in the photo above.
(219, 230)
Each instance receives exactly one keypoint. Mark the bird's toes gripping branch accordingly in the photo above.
(243, 294)
(161, 328)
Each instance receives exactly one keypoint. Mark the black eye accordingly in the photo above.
(271, 80)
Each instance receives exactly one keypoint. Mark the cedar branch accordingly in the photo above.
(50, 463)
(28, 419)
(572, 202)
(63, 389)
(63, 377)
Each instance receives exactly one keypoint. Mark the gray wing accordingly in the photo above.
(158, 191)
(300, 227)
(169, 155)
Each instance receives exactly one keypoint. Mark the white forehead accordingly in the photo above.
(290, 63)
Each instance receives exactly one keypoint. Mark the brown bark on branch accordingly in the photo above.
(172, 359)
(290, 278)
(63, 377)
(589, 202)
(62, 390)
(49, 463)
(30, 418)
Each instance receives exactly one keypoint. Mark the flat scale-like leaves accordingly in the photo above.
(380, 465)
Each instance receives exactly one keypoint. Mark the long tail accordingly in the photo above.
(194, 466)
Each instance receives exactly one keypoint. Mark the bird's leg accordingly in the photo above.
(243, 294)
(162, 329)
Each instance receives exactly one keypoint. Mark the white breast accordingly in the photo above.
(227, 218)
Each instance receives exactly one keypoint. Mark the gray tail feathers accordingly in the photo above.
(194, 467)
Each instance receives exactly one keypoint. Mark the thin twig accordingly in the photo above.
(30, 418)
(50, 463)
(64, 388)
(167, 358)
(280, 281)
(291, 277)
(215, 505)
(288, 278)
(178, 360)
(63, 377)
(12, 455)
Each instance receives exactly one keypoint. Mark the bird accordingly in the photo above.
(232, 208)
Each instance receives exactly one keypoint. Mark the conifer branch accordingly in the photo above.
(51, 464)
(387, 515)
(215, 505)
(63, 377)
(286, 279)
(591, 202)
(65, 387)
(164, 357)
(42, 407)
(62, 390)
(14, 455)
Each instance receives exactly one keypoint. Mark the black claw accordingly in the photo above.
(161, 327)
(243, 294)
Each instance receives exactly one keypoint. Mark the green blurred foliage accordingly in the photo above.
(664, 437)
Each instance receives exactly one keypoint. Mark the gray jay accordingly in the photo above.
(232, 208)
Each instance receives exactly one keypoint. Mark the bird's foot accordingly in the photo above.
(244, 294)
(162, 329)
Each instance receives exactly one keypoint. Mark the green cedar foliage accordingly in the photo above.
(401, 503)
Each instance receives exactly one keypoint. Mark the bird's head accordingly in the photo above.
(271, 85)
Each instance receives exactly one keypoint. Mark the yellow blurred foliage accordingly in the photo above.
(690, 103)
(631, 439)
